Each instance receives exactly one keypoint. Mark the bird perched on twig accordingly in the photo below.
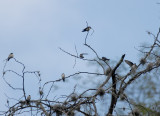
(132, 65)
(10, 56)
(81, 55)
(105, 59)
(86, 29)
(28, 98)
(63, 77)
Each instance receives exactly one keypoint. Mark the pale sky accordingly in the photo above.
(34, 29)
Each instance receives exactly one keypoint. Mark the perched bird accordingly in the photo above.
(86, 29)
(81, 55)
(105, 59)
(4, 73)
(39, 74)
(132, 65)
(63, 77)
(10, 56)
(28, 99)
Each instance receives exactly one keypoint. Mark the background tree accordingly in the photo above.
(117, 86)
(41, 80)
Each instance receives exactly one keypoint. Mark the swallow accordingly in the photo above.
(132, 65)
(105, 59)
(28, 99)
(63, 77)
(38, 72)
(81, 55)
(86, 29)
(10, 56)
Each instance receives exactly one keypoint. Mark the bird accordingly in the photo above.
(10, 56)
(28, 98)
(81, 55)
(86, 29)
(38, 72)
(63, 77)
(105, 59)
(132, 65)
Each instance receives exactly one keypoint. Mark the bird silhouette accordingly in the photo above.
(132, 65)
(28, 99)
(82, 55)
(10, 56)
(86, 29)
(63, 77)
(105, 59)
